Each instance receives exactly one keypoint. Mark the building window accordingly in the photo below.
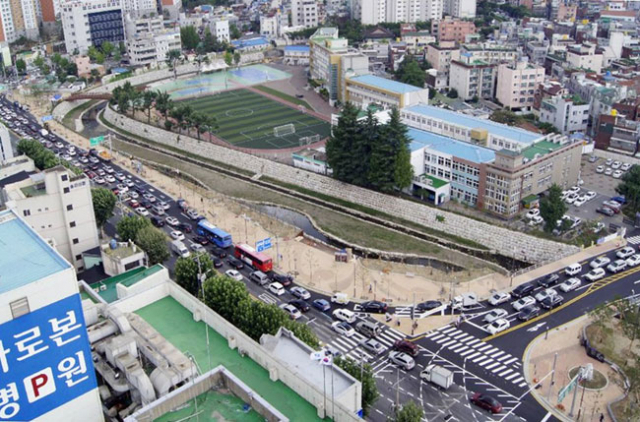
(65, 190)
(75, 241)
(26, 213)
(78, 257)
(72, 224)
(64, 177)
(20, 307)
(69, 207)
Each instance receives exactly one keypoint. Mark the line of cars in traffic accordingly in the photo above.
(534, 296)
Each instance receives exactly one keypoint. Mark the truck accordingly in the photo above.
(180, 249)
(465, 301)
(104, 155)
(44, 132)
(437, 375)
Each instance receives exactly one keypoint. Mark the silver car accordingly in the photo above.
(402, 359)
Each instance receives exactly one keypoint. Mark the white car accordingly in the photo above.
(617, 266)
(599, 262)
(133, 194)
(571, 198)
(608, 171)
(276, 288)
(109, 178)
(497, 326)
(633, 261)
(122, 188)
(532, 213)
(99, 180)
(590, 195)
(574, 189)
(625, 167)
(543, 294)
(570, 284)
(172, 221)
(343, 328)
(175, 234)
(536, 220)
(344, 315)
(609, 161)
(595, 274)
(600, 169)
(617, 174)
(616, 165)
(494, 315)
(498, 298)
(143, 212)
(580, 201)
(625, 252)
(300, 292)
(234, 275)
(523, 302)
(294, 313)
(198, 248)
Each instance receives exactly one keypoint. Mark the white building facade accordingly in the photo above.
(517, 84)
(220, 29)
(91, 22)
(566, 114)
(372, 12)
(304, 13)
(463, 9)
(6, 150)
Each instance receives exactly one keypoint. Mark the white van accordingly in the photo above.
(573, 269)
(340, 298)
(180, 249)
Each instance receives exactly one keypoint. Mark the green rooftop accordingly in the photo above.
(435, 182)
(33, 190)
(542, 148)
(213, 405)
(176, 324)
(127, 279)
(121, 251)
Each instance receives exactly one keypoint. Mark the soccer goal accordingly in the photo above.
(308, 140)
(284, 130)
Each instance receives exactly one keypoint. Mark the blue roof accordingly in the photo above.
(387, 84)
(445, 145)
(24, 256)
(250, 42)
(297, 48)
(497, 129)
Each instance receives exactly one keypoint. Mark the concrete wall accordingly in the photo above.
(615, 156)
(495, 238)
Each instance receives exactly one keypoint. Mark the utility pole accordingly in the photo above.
(201, 278)
(553, 375)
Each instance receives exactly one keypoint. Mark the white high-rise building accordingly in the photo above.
(58, 205)
(304, 13)
(92, 22)
(6, 150)
(463, 9)
(220, 29)
(372, 12)
(19, 18)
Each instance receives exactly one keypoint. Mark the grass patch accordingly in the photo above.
(282, 95)
(69, 119)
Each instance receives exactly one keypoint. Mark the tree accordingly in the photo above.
(190, 37)
(148, 98)
(173, 56)
(129, 226)
(104, 202)
(21, 66)
(363, 373)
(236, 58)
(92, 52)
(154, 243)
(552, 208)
(117, 56)
(506, 117)
(410, 412)
(453, 93)
(210, 43)
(107, 48)
(39, 62)
(72, 69)
(547, 128)
(629, 186)
(234, 32)
(99, 57)
(186, 271)
(164, 104)
(339, 145)
(409, 72)
(228, 58)
(396, 134)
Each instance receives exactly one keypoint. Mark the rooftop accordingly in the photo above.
(213, 402)
(24, 256)
(540, 148)
(302, 48)
(250, 42)
(109, 292)
(497, 129)
(464, 150)
(34, 190)
(188, 335)
(435, 182)
(122, 251)
(386, 84)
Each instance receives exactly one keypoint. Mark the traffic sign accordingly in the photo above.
(47, 118)
(264, 244)
(568, 388)
(96, 141)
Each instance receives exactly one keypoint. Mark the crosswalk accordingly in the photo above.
(490, 358)
(405, 312)
(267, 298)
(350, 346)
(634, 240)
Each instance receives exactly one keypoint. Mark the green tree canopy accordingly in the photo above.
(190, 37)
(506, 117)
(154, 243)
(552, 208)
(107, 48)
(104, 202)
(129, 226)
(187, 270)
(21, 66)
(410, 72)
(364, 374)
(629, 186)
(410, 412)
(234, 32)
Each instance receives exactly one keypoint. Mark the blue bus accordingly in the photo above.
(218, 236)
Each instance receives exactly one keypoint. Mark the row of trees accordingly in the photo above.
(209, 43)
(369, 154)
(148, 238)
(411, 72)
(106, 50)
(42, 157)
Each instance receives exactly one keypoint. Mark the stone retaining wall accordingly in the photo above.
(504, 241)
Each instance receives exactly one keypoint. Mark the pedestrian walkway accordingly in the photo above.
(635, 240)
(472, 349)
(351, 346)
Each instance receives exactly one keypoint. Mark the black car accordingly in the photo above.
(219, 252)
(185, 227)
(523, 290)
(284, 279)
(528, 312)
(217, 263)
(300, 304)
(201, 240)
(156, 221)
(235, 263)
(374, 306)
(550, 302)
(549, 280)
(428, 305)
(139, 190)
(146, 204)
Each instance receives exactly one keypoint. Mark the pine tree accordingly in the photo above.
(400, 141)
(361, 152)
(382, 161)
(339, 146)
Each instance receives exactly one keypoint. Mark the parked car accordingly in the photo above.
(606, 211)
(528, 312)
(321, 304)
(522, 302)
(570, 284)
(497, 326)
(486, 402)
(616, 165)
(402, 360)
(617, 174)
(534, 212)
(590, 195)
(608, 171)
(633, 261)
(595, 274)
(523, 290)
(300, 292)
(428, 305)
(552, 301)
(499, 298)
(494, 315)
(615, 206)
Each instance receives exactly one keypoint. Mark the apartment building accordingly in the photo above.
(490, 52)
(47, 366)
(517, 83)
(92, 22)
(472, 78)
(584, 56)
(449, 29)
(219, 27)
(57, 205)
(618, 133)
(440, 55)
(148, 41)
(6, 150)
(370, 89)
(304, 13)
(464, 9)
(19, 18)
(372, 12)
(568, 114)
(270, 25)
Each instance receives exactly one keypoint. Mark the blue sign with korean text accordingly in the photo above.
(264, 244)
(45, 360)
(47, 118)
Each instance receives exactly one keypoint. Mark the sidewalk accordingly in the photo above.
(538, 362)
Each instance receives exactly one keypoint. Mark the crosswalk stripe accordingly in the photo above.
(524, 384)
(498, 353)
(340, 347)
(515, 374)
(502, 374)
(507, 356)
(473, 355)
(487, 362)
(488, 351)
(431, 334)
(344, 343)
(447, 344)
(493, 365)
(467, 352)
(506, 362)
(384, 342)
(481, 359)
(396, 334)
(437, 337)
(499, 368)
(461, 334)
(634, 240)
(472, 342)
(447, 329)
(483, 348)
(458, 349)
(517, 380)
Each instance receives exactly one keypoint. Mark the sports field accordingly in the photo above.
(247, 119)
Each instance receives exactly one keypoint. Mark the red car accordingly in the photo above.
(134, 204)
(486, 402)
(406, 347)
